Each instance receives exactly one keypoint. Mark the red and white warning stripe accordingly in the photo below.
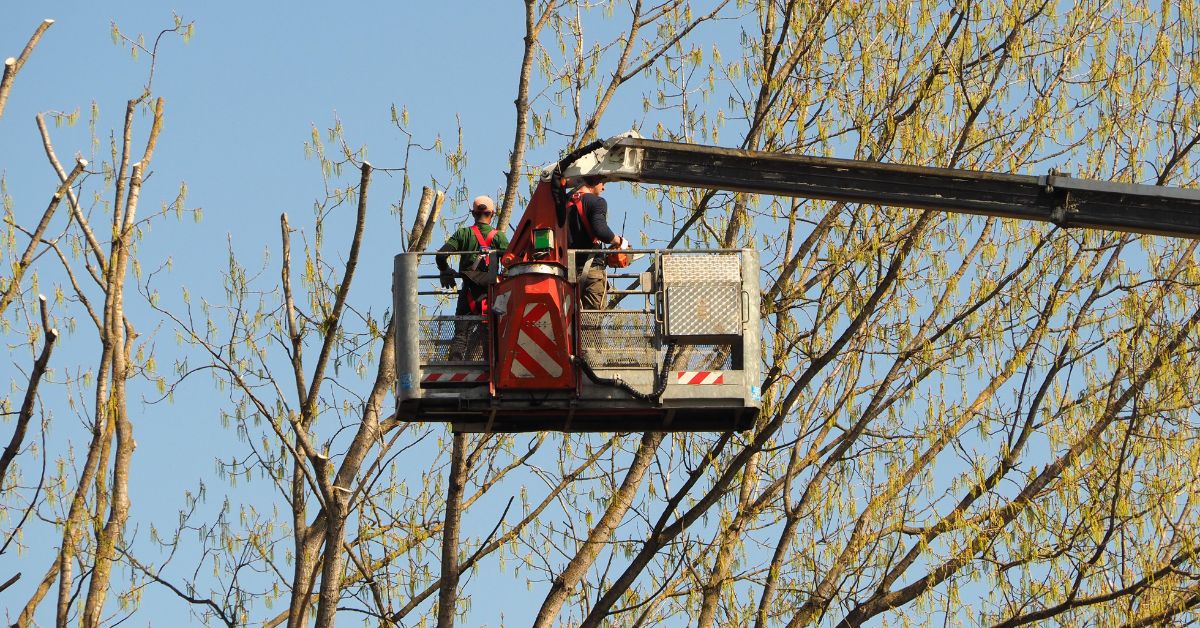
(455, 377)
(536, 345)
(701, 377)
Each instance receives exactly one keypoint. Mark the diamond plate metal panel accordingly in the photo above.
(704, 267)
(617, 338)
(703, 294)
(704, 309)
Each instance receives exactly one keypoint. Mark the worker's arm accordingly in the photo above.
(443, 261)
(440, 260)
(596, 209)
(453, 244)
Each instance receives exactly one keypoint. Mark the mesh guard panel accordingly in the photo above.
(617, 338)
(712, 357)
(452, 338)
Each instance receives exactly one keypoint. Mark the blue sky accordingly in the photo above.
(244, 93)
(241, 99)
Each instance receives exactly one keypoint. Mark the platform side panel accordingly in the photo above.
(751, 329)
(703, 295)
(407, 330)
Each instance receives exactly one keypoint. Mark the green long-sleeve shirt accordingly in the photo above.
(463, 240)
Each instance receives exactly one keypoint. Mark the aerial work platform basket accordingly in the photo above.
(676, 349)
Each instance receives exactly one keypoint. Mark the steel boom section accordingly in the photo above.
(1055, 198)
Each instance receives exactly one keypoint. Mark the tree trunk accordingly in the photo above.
(601, 534)
(120, 336)
(335, 558)
(516, 160)
(448, 596)
(728, 542)
(305, 568)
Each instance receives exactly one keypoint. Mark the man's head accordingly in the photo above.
(483, 208)
(594, 184)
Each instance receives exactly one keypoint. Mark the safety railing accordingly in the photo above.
(447, 338)
(623, 333)
(692, 299)
(688, 306)
(675, 346)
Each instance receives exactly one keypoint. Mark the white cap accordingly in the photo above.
(483, 203)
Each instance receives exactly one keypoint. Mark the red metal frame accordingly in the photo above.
(541, 214)
(533, 326)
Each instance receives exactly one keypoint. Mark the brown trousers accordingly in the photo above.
(593, 289)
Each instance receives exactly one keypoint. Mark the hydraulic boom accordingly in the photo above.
(679, 349)
(1056, 198)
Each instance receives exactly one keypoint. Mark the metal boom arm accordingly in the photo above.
(1055, 198)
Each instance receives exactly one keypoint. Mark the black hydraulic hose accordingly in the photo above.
(617, 382)
(559, 194)
(566, 162)
(662, 374)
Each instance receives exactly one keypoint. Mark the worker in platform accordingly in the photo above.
(473, 245)
(587, 224)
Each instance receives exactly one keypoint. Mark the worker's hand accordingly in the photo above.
(623, 244)
(447, 278)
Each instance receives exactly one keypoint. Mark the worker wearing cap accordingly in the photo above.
(587, 224)
(472, 244)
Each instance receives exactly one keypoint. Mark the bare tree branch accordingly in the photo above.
(516, 159)
(13, 66)
(50, 335)
(35, 238)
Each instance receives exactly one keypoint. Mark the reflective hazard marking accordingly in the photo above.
(701, 377)
(468, 377)
(535, 345)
